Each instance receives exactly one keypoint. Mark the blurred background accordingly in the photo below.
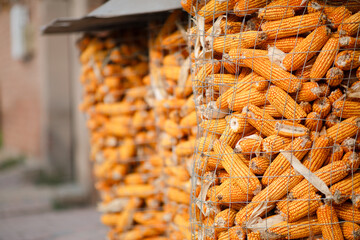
(45, 174)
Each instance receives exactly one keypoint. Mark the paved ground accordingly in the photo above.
(26, 213)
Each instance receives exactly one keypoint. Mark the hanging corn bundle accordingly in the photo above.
(276, 85)
(117, 100)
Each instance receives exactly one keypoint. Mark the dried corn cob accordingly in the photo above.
(330, 227)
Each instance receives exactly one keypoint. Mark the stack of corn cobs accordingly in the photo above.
(117, 100)
(276, 84)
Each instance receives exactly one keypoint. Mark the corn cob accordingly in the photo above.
(291, 129)
(347, 60)
(189, 5)
(207, 69)
(337, 15)
(313, 121)
(260, 120)
(306, 227)
(275, 13)
(240, 40)
(284, 104)
(322, 106)
(274, 143)
(284, 44)
(347, 128)
(185, 148)
(213, 126)
(330, 227)
(319, 153)
(229, 192)
(243, 99)
(236, 233)
(346, 109)
(334, 77)
(293, 26)
(348, 212)
(224, 220)
(248, 145)
(230, 137)
(239, 123)
(350, 25)
(307, 49)
(315, 6)
(306, 106)
(284, 80)
(299, 208)
(349, 42)
(330, 174)
(223, 81)
(245, 7)
(235, 166)
(309, 91)
(254, 236)
(223, 235)
(214, 8)
(343, 189)
(299, 148)
(258, 165)
(351, 159)
(271, 110)
(351, 231)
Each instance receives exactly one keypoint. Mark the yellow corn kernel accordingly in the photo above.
(285, 104)
(348, 59)
(330, 227)
(254, 236)
(306, 49)
(293, 26)
(280, 165)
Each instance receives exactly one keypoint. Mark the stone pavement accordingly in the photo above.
(26, 213)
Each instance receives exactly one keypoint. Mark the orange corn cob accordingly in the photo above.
(291, 129)
(185, 148)
(260, 120)
(330, 174)
(355, 198)
(293, 26)
(352, 159)
(299, 208)
(258, 165)
(274, 143)
(236, 55)
(331, 120)
(346, 109)
(179, 196)
(240, 40)
(309, 92)
(334, 76)
(271, 13)
(337, 15)
(348, 212)
(245, 98)
(267, 197)
(336, 154)
(236, 233)
(248, 145)
(139, 190)
(222, 82)
(315, 6)
(173, 129)
(322, 106)
(285, 104)
(271, 110)
(229, 192)
(303, 228)
(351, 231)
(224, 220)
(214, 8)
(299, 148)
(306, 49)
(335, 95)
(313, 121)
(347, 60)
(246, 7)
(284, 44)
(330, 227)
(325, 59)
(349, 42)
(205, 144)
(273, 72)
(350, 25)
(254, 236)
(319, 153)
(306, 106)
(213, 126)
(344, 129)
(239, 123)
(325, 90)
(189, 5)
(230, 137)
(206, 70)
(223, 235)
(343, 189)
(230, 65)
(236, 167)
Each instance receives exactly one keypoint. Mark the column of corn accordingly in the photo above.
(118, 102)
(176, 118)
(276, 85)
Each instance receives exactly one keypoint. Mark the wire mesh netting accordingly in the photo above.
(175, 117)
(276, 85)
(118, 102)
